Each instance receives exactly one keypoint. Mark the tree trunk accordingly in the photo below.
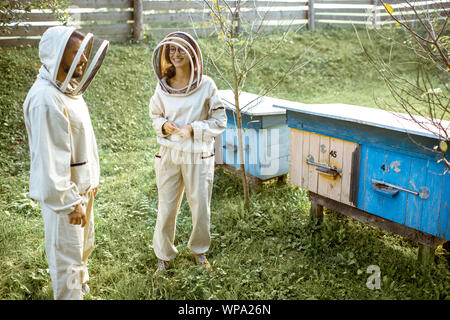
(239, 124)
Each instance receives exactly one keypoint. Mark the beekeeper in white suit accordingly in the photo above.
(64, 172)
(187, 114)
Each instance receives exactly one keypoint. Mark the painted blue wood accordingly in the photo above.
(415, 205)
(430, 214)
(444, 211)
(391, 156)
(363, 134)
(397, 171)
(375, 161)
(259, 160)
(427, 215)
(362, 175)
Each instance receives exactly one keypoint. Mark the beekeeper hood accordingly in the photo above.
(51, 50)
(164, 69)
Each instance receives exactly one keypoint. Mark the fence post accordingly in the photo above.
(138, 20)
(311, 15)
(237, 18)
(375, 16)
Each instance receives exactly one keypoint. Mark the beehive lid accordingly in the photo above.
(369, 116)
(258, 105)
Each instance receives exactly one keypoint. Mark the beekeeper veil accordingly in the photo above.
(164, 69)
(85, 65)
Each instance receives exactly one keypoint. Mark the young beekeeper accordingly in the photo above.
(187, 114)
(64, 172)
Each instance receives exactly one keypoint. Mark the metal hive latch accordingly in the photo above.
(423, 194)
(323, 168)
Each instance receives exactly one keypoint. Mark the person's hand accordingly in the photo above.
(185, 131)
(169, 127)
(94, 191)
(78, 216)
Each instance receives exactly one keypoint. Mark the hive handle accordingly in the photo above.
(423, 194)
(328, 169)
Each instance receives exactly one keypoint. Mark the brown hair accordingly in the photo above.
(168, 69)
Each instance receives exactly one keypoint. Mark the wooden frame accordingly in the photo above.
(318, 202)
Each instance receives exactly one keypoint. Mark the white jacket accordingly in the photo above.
(63, 149)
(201, 108)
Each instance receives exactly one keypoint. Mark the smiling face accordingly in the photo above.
(178, 56)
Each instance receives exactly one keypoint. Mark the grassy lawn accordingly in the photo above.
(269, 252)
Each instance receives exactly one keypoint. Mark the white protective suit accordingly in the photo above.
(185, 163)
(64, 166)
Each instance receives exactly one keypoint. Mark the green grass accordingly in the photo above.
(271, 251)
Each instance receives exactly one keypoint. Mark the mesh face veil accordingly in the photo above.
(162, 65)
(77, 85)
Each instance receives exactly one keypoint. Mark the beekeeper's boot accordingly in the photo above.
(200, 259)
(162, 267)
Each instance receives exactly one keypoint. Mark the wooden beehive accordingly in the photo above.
(265, 136)
(372, 165)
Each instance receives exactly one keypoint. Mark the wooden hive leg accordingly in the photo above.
(255, 183)
(282, 179)
(425, 255)
(316, 212)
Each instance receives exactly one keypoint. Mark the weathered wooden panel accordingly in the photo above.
(274, 15)
(305, 153)
(313, 176)
(347, 170)
(15, 42)
(325, 150)
(82, 16)
(295, 160)
(341, 18)
(411, 16)
(159, 33)
(183, 17)
(324, 158)
(180, 5)
(336, 159)
(100, 29)
(322, 10)
(103, 3)
(27, 31)
(178, 17)
(355, 2)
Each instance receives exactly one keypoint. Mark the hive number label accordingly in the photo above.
(333, 153)
(395, 165)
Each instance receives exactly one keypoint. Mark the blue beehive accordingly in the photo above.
(265, 136)
(364, 160)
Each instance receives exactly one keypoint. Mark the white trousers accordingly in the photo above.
(67, 248)
(177, 171)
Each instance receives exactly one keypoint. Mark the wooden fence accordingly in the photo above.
(119, 20)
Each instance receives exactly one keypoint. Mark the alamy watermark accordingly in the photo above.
(374, 280)
(261, 148)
